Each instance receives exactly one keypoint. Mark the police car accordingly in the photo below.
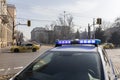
(70, 60)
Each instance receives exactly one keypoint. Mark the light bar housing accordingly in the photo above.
(81, 41)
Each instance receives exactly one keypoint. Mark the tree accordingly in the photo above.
(115, 38)
(84, 35)
(66, 23)
(77, 35)
(106, 25)
(19, 37)
(114, 27)
(99, 34)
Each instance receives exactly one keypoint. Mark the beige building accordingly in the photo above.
(7, 16)
(11, 10)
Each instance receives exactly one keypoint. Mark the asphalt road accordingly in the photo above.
(11, 63)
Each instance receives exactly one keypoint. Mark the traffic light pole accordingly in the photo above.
(99, 22)
(13, 37)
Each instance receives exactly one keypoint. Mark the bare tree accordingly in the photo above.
(61, 21)
(61, 29)
(66, 23)
(19, 37)
(70, 20)
(50, 27)
(105, 25)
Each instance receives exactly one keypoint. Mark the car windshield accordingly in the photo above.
(64, 66)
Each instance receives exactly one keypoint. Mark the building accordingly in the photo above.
(7, 17)
(11, 10)
(3, 21)
(39, 35)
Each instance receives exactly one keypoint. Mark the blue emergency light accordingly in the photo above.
(81, 41)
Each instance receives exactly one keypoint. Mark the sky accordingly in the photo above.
(46, 12)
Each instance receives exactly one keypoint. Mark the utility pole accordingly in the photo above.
(64, 25)
(64, 17)
(89, 33)
(93, 28)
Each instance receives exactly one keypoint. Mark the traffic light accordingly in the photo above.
(99, 21)
(28, 23)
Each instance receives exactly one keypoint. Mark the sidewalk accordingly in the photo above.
(5, 49)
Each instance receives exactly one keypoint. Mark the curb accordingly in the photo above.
(6, 49)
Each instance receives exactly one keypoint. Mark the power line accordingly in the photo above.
(35, 19)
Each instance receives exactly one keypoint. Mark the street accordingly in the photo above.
(27, 26)
(11, 63)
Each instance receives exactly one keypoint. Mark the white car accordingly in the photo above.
(70, 60)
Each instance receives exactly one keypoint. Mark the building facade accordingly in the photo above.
(3, 16)
(39, 35)
(7, 13)
(11, 10)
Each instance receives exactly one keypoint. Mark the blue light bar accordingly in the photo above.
(90, 41)
(82, 41)
(63, 42)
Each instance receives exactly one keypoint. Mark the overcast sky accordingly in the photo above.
(83, 11)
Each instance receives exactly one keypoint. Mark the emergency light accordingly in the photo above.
(81, 41)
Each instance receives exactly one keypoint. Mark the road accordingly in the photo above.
(11, 63)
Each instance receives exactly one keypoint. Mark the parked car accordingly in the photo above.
(70, 60)
(25, 47)
(108, 46)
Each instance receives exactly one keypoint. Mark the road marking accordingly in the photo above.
(2, 69)
(7, 71)
(18, 67)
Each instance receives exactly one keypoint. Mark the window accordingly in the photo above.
(29, 44)
(64, 66)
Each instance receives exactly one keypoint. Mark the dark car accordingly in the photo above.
(70, 60)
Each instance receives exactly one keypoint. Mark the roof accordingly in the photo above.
(76, 48)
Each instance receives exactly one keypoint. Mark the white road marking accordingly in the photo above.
(2, 70)
(7, 71)
(18, 67)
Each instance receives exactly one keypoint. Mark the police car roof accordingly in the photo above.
(81, 48)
